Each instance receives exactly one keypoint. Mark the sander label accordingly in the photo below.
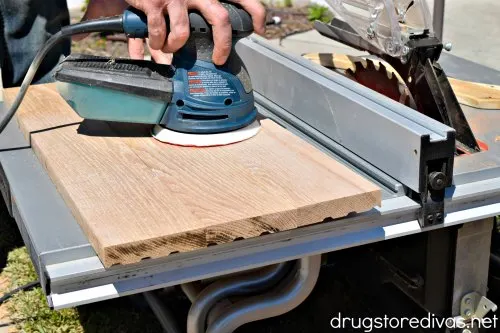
(207, 83)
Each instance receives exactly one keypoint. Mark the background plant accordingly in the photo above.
(318, 12)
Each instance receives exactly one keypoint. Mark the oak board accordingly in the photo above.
(136, 198)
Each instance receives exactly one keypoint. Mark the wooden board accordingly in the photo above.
(477, 95)
(137, 198)
(333, 61)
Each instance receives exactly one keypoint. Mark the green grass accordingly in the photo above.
(19, 269)
(319, 13)
(31, 314)
(29, 309)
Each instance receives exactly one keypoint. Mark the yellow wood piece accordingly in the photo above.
(478, 95)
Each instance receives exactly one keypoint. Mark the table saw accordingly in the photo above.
(390, 144)
(72, 274)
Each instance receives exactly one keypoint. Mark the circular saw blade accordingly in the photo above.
(376, 76)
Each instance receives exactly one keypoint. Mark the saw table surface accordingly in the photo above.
(136, 198)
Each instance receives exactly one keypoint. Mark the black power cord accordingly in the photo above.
(110, 24)
(26, 287)
(6, 296)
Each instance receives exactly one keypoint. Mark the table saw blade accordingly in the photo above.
(378, 77)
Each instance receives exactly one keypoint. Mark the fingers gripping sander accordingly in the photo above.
(191, 103)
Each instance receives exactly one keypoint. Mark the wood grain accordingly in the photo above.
(333, 61)
(477, 95)
(137, 198)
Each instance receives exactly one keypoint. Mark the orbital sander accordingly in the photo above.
(191, 102)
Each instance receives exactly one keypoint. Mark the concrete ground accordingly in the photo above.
(472, 27)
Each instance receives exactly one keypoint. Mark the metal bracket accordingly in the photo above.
(436, 177)
(435, 98)
(475, 306)
(432, 211)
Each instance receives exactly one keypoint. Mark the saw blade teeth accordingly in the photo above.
(375, 74)
(359, 66)
(349, 72)
(394, 79)
(402, 89)
(383, 69)
(370, 65)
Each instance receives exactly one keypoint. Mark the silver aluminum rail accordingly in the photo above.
(386, 134)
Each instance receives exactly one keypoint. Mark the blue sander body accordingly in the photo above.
(192, 102)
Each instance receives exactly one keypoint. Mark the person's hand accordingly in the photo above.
(172, 38)
(163, 40)
(106, 8)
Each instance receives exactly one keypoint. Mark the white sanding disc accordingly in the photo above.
(205, 140)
